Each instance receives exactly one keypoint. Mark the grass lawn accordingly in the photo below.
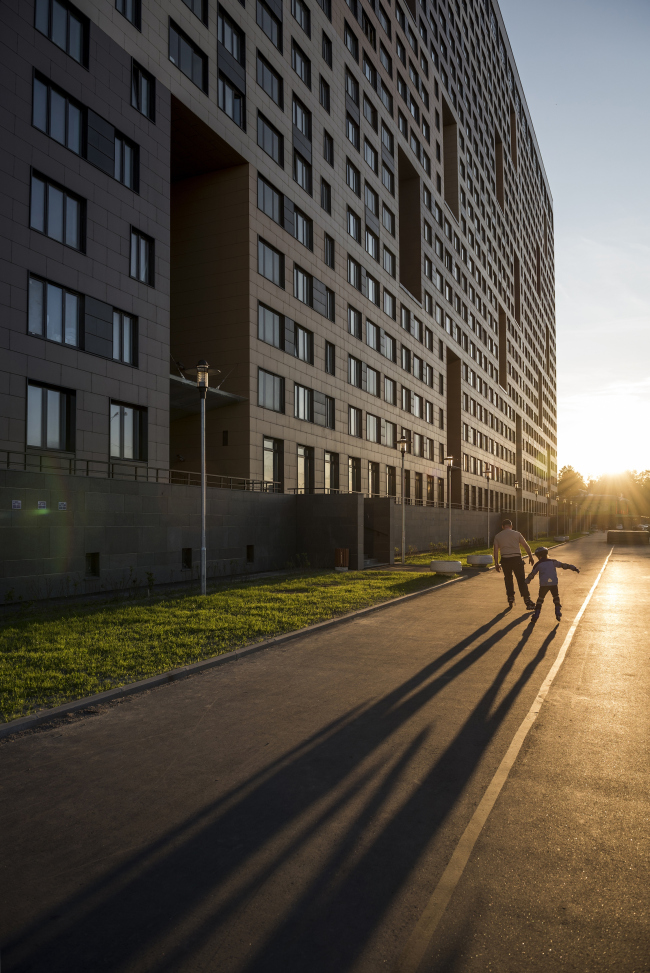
(49, 655)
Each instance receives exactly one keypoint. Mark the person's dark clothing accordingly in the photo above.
(543, 588)
(515, 565)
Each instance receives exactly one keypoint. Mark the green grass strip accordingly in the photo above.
(51, 655)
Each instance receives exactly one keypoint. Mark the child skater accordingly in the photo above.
(546, 567)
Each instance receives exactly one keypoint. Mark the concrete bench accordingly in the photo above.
(479, 562)
(447, 567)
(628, 537)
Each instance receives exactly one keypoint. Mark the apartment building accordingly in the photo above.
(341, 206)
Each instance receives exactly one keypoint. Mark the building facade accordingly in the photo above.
(341, 206)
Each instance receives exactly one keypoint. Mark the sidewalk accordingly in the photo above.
(295, 810)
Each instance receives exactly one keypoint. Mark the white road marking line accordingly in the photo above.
(413, 953)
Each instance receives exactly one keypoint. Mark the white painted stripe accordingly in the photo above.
(413, 953)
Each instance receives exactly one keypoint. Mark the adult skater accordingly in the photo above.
(508, 543)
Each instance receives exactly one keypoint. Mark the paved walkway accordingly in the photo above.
(295, 811)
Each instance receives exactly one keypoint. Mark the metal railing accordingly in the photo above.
(115, 470)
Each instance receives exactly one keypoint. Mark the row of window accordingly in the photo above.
(61, 215)
(62, 315)
(51, 423)
(306, 288)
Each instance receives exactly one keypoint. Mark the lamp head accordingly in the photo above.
(402, 443)
(202, 370)
(448, 460)
(516, 484)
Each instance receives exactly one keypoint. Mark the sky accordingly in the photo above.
(584, 68)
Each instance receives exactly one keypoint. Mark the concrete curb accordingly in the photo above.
(121, 692)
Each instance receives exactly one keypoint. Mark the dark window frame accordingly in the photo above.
(150, 243)
(67, 422)
(176, 57)
(71, 10)
(39, 176)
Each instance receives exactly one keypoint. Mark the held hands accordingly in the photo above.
(531, 559)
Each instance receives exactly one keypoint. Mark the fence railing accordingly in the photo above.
(115, 470)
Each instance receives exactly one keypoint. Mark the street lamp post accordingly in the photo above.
(202, 382)
(548, 510)
(402, 443)
(516, 504)
(449, 460)
(564, 510)
(534, 515)
(488, 477)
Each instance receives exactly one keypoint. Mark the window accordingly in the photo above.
(273, 456)
(143, 91)
(301, 117)
(270, 140)
(386, 97)
(373, 289)
(368, 29)
(57, 115)
(401, 50)
(330, 302)
(269, 79)
(372, 244)
(352, 87)
(231, 101)
(324, 93)
(269, 23)
(402, 124)
(352, 131)
(330, 358)
(353, 177)
(354, 225)
(370, 73)
(325, 196)
(373, 428)
(354, 273)
(302, 286)
(303, 229)
(303, 403)
(300, 13)
(372, 381)
(355, 372)
(388, 179)
(198, 7)
(391, 479)
(388, 346)
(269, 200)
(302, 172)
(131, 10)
(372, 335)
(305, 478)
(390, 264)
(128, 432)
(390, 305)
(300, 63)
(126, 162)
(370, 155)
(387, 140)
(355, 428)
(372, 200)
(331, 472)
(328, 148)
(327, 50)
(191, 61)
(124, 338)
(385, 58)
(329, 251)
(354, 469)
(231, 37)
(390, 391)
(388, 219)
(270, 262)
(56, 213)
(64, 26)
(354, 322)
(142, 257)
(270, 391)
(269, 326)
(53, 312)
(351, 42)
(50, 417)
(370, 112)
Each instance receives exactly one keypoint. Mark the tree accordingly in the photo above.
(569, 482)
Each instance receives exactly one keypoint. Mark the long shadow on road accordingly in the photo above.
(175, 899)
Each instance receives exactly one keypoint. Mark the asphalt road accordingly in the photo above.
(295, 811)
